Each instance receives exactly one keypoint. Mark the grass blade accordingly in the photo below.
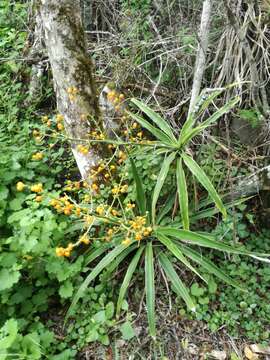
(182, 194)
(206, 183)
(153, 130)
(93, 274)
(166, 208)
(209, 266)
(150, 289)
(140, 194)
(127, 278)
(176, 251)
(157, 119)
(160, 181)
(179, 287)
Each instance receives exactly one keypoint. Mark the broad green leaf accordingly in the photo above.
(150, 289)
(125, 284)
(93, 274)
(127, 331)
(140, 194)
(176, 251)
(160, 181)
(9, 333)
(199, 239)
(206, 183)
(182, 194)
(179, 287)
(158, 120)
(153, 130)
(209, 266)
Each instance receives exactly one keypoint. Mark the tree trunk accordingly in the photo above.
(71, 67)
(201, 54)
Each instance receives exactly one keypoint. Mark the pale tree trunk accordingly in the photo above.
(201, 54)
(71, 67)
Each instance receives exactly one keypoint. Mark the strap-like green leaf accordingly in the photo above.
(140, 194)
(160, 181)
(96, 253)
(191, 133)
(158, 120)
(209, 266)
(200, 175)
(93, 274)
(150, 289)
(182, 193)
(163, 211)
(176, 251)
(127, 278)
(120, 258)
(179, 287)
(199, 239)
(160, 135)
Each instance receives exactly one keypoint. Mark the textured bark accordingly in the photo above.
(201, 55)
(72, 69)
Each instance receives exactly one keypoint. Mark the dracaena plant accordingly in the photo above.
(140, 242)
(176, 149)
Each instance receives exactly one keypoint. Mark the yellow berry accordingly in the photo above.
(20, 186)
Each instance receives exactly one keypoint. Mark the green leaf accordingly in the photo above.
(206, 183)
(8, 334)
(158, 120)
(209, 266)
(160, 181)
(153, 130)
(8, 278)
(182, 194)
(176, 251)
(93, 274)
(66, 290)
(127, 331)
(96, 253)
(125, 284)
(213, 118)
(179, 287)
(163, 211)
(196, 291)
(150, 289)
(120, 258)
(140, 198)
(199, 239)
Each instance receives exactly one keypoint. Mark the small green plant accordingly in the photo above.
(139, 235)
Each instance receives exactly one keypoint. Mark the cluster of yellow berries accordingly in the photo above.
(119, 189)
(37, 135)
(130, 206)
(37, 156)
(37, 188)
(59, 122)
(96, 135)
(72, 92)
(121, 157)
(116, 99)
(73, 186)
(138, 230)
(63, 205)
(66, 252)
(83, 149)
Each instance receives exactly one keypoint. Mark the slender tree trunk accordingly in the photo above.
(201, 54)
(71, 66)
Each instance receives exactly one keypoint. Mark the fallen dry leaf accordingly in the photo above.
(218, 355)
(250, 355)
(259, 349)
